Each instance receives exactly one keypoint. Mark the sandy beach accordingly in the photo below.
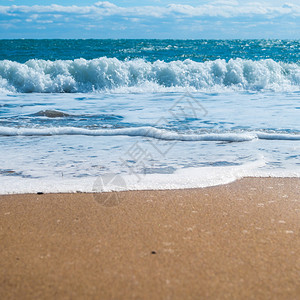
(235, 241)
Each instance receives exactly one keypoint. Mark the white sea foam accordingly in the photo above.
(81, 75)
(149, 132)
(181, 179)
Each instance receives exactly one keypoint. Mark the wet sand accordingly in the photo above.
(236, 241)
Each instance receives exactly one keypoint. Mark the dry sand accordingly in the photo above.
(236, 241)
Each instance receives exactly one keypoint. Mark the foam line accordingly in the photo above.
(149, 132)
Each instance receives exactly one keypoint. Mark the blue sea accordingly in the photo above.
(101, 115)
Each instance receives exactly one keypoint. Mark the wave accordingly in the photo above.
(108, 74)
(149, 132)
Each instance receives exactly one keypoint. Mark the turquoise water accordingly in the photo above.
(158, 113)
(151, 50)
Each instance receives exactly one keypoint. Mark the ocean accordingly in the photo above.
(102, 115)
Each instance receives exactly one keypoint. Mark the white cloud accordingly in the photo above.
(226, 2)
(219, 8)
(105, 4)
(110, 17)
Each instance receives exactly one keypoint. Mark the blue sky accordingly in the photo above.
(219, 19)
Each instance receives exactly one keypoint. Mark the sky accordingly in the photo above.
(161, 19)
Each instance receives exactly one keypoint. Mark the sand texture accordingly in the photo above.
(236, 241)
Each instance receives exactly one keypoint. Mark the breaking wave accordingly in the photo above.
(109, 74)
(149, 132)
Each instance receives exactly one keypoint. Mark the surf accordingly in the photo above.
(109, 74)
(150, 132)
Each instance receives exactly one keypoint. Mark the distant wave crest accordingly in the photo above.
(109, 74)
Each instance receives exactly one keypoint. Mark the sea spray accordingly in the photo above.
(108, 74)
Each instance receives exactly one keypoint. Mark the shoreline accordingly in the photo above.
(95, 185)
(237, 240)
